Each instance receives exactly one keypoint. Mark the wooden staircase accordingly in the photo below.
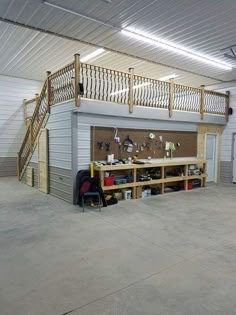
(37, 121)
(60, 86)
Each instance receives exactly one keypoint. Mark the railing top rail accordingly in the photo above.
(54, 74)
(38, 104)
(25, 139)
(216, 93)
(30, 101)
(108, 69)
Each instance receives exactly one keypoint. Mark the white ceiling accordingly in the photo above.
(206, 26)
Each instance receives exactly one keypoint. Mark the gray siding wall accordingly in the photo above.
(12, 129)
(8, 166)
(60, 183)
(141, 112)
(227, 142)
(35, 175)
(226, 171)
(60, 152)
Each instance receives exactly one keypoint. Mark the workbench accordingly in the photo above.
(162, 164)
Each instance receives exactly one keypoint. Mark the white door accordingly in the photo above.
(211, 157)
(234, 159)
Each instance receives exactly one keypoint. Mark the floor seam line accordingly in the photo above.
(126, 287)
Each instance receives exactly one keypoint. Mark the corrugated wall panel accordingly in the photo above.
(12, 128)
(227, 142)
(227, 136)
(60, 136)
(60, 151)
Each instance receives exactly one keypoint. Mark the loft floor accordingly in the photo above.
(169, 254)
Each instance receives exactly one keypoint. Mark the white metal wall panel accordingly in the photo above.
(227, 136)
(60, 136)
(12, 128)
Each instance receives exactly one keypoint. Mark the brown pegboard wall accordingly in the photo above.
(154, 148)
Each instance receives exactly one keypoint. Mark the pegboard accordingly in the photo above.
(145, 146)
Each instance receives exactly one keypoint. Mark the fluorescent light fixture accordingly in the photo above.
(168, 77)
(93, 55)
(173, 47)
(134, 87)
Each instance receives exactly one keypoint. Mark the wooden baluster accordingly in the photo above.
(202, 101)
(227, 106)
(48, 91)
(171, 97)
(77, 80)
(131, 90)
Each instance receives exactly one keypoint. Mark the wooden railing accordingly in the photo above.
(126, 88)
(29, 107)
(36, 121)
(77, 80)
(61, 84)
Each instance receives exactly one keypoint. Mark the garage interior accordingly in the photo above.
(117, 157)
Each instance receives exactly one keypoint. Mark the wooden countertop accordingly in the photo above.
(167, 162)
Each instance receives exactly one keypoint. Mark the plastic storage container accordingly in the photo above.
(109, 181)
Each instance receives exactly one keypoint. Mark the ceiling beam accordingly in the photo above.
(37, 29)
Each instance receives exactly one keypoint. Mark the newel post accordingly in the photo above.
(36, 104)
(77, 80)
(48, 91)
(131, 90)
(227, 106)
(171, 97)
(202, 101)
(25, 111)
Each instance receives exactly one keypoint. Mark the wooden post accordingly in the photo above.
(202, 101)
(77, 80)
(185, 176)
(171, 97)
(25, 111)
(36, 104)
(227, 106)
(18, 165)
(48, 91)
(162, 177)
(134, 189)
(31, 137)
(131, 90)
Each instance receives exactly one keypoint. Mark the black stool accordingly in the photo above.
(91, 194)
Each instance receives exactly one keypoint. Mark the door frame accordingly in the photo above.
(232, 157)
(216, 153)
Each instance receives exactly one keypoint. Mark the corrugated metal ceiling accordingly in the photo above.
(206, 26)
(29, 54)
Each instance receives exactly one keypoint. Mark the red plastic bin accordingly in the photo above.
(109, 181)
(190, 185)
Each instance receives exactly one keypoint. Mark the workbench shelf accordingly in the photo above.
(136, 184)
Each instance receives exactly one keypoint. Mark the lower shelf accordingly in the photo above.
(160, 182)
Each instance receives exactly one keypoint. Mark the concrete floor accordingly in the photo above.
(170, 254)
